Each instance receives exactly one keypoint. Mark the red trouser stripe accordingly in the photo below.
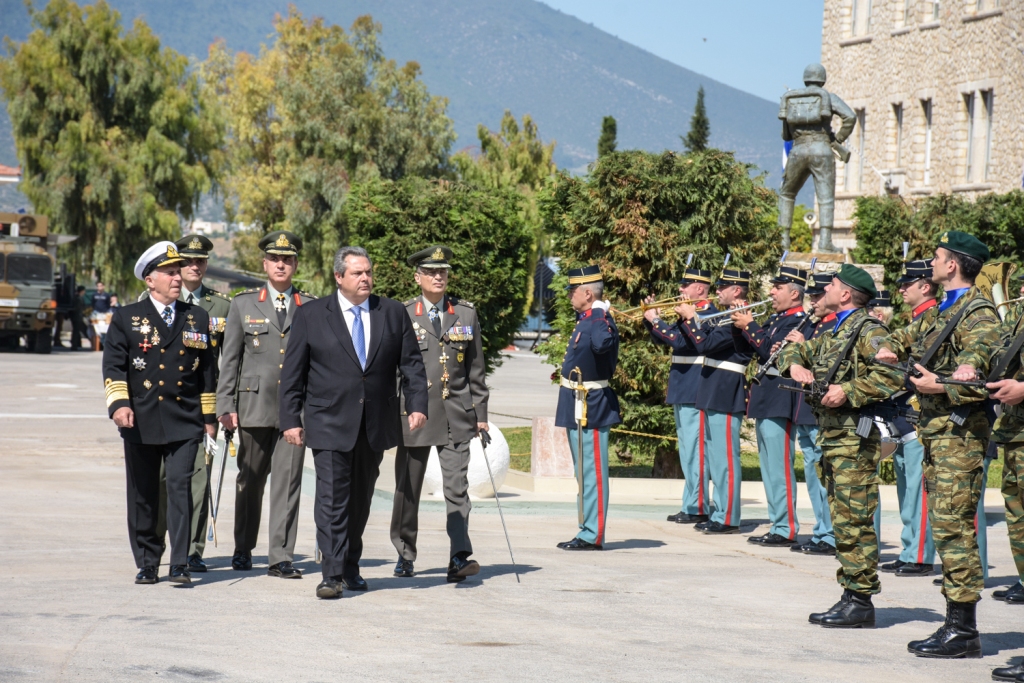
(732, 473)
(924, 522)
(789, 484)
(600, 488)
(700, 484)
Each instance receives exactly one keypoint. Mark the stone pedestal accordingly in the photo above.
(831, 262)
(549, 450)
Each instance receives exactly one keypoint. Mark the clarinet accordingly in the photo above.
(770, 363)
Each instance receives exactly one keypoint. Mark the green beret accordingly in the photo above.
(436, 256)
(281, 242)
(858, 279)
(194, 246)
(962, 243)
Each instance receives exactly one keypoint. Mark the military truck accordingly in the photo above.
(27, 306)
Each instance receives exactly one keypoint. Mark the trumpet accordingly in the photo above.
(668, 303)
(730, 311)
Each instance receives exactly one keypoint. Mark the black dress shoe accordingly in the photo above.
(812, 548)
(196, 564)
(958, 638)
(937, 581)
(579, 544)
(404, 568)
(701, 526)
(354, 583)
(1008, 673)
(241, 561)
(853, 611)
(460, 567)
(1014, 593)
(915, 569)
(719, 528)
(147, 575)
(771, 540)
(685, 518)
(179, 574)
(284, 570)
(329, 589)
(891, 567)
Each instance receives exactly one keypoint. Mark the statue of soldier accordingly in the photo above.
(807, 121)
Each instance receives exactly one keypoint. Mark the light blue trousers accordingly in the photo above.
(776, 447)
(690, 432)
(722, 446)
(916, 544)
(595, 481)
(807, 436)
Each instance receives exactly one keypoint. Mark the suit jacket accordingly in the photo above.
(455, 362)
(252, 357)
(322, 376)
(166, 376)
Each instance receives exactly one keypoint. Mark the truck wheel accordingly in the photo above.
(40, 342)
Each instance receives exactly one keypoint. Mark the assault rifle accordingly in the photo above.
(906, 369)
(816, 389)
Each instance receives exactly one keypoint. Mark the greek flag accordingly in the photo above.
(787, 147)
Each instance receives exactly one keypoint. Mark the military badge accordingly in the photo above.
(147, 384)
(460, 357)
(144, 328)
(195, 365)
(139, 363)
(155, 339)
(195, 340)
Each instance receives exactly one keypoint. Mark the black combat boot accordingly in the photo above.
(955, 639)
(858, 612)
(816, 617)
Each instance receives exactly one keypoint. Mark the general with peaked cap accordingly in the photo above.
(960, 340)
(851, 450)
(450, 340)
(195, 252)
(587, 406)
(159, 376)
(683, 387)
(721, 397)
(255, 338)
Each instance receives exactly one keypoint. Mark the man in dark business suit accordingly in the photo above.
(339, 396)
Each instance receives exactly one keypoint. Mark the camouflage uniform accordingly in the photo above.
(1008, 433)
(849, 463)
(954, 454)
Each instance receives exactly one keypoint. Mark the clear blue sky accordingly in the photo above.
(760, 46)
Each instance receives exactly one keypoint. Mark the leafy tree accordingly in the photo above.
(513, 158)
(483, 227)
(800, 233)
(700, 128)
(609, 130)
(116, 140)
(638, 215)
(315, 112)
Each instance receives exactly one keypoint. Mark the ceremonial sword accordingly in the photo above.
(228, 446)
(485, 440)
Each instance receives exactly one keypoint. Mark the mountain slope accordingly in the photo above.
(487, 56)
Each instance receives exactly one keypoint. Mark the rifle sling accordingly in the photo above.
(854, 336)
(1011, 354)
(943, 335)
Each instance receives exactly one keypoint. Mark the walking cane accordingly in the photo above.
(228, 447)
(485, 439)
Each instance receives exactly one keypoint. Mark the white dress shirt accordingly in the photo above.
(160, 309)
(349, 315)
(440, 309)
(272, 297)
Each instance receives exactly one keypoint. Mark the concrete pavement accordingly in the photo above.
(662, 603)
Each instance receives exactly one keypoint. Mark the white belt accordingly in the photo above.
(907, 438)
(725, 365)
(688, 360)
(589, 386)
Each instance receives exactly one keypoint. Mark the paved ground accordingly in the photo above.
(662, 603)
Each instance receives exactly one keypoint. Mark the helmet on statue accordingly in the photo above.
(814, 74)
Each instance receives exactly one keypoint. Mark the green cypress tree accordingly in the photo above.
(700, 128)
(606, 143)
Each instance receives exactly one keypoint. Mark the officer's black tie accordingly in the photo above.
(435, 318)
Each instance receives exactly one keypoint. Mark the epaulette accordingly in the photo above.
(305, 294)
(248, 291)
(410, 302)
(221, 295)
(460, 302)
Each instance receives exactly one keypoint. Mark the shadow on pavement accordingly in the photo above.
(633, 543)
(891, 616)
(994, 643)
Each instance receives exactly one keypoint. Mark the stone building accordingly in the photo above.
(938, 88)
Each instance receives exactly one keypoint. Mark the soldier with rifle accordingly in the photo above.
(845, 388)
(775, 410)
(959, 340)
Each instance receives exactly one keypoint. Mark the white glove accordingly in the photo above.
(602, 304)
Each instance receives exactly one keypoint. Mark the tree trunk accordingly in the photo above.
(666, 464)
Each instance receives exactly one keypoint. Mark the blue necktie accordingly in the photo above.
(358, 336)
(168, 316)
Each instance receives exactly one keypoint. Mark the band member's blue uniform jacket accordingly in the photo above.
(723, 384)
(766, 398)
(684, 377)
(594, 349)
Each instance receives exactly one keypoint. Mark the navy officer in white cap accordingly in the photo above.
(159, 376)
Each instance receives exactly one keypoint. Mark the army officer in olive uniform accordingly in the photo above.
(448, 333)
(254, 343)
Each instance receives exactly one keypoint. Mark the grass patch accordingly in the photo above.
(519, 440)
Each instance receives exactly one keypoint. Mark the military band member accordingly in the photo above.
(917, 551)
(448, 333)
(158, 373)
(850, 453)
(723, 399)
(683, 385)
(247, 400)
(593, 352)
(960, 341)
(823, 538)
(195, 250)
(774, 409)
